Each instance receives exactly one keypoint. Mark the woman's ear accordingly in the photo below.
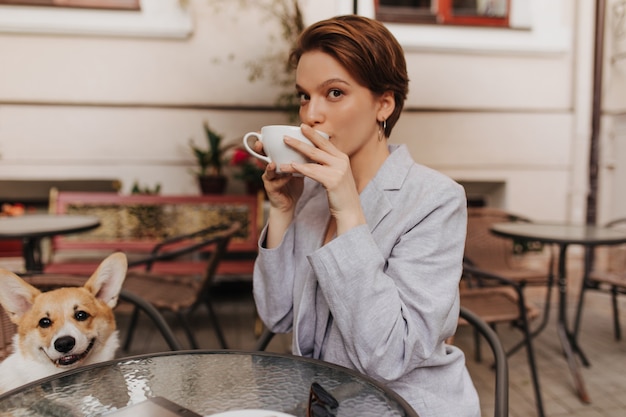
(387, 105)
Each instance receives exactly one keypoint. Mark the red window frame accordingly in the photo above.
(444, 15)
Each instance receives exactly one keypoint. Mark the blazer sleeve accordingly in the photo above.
(274, 272)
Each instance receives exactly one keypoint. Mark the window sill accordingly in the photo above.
(536, 30)
(156, 19)
(481, 40)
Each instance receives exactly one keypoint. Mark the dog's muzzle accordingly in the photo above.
(66, 344)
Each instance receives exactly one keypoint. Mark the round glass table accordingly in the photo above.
(206, 382)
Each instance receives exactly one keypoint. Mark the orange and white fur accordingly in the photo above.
(61, 329)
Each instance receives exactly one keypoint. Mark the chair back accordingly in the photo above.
(221, 241)
(193, 244)
(617, 253)
(482, 247)
(501, 405)
(7, 330)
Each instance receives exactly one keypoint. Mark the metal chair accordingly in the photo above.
(181, 294)
(502, 257)
(495, 300)
(611, 279)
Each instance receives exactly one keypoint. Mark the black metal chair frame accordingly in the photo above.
(217, 236)
(154, 315)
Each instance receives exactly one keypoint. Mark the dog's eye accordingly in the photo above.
(45, 322)
(81, 315)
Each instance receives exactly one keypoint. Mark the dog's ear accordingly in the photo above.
(16, 295)
(106, 283)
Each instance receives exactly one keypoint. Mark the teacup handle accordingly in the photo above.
(249, 149)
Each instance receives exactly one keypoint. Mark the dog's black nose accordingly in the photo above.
(64, 344)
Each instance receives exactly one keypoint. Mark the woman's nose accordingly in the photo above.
(312, 113)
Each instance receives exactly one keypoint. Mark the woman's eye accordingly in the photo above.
(335, 93)
(45, 322)
(81, 315)
(303, 97)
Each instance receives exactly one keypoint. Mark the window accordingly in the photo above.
(89, 4)
(169, 19)
(537, 27)
(447, 12)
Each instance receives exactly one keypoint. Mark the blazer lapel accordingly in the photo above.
(389, 179)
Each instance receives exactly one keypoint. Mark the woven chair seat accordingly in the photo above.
(526, 275)
(165, 292)
(610, 278)
(495, 304)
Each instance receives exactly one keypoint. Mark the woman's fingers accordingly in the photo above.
(313, 153)
(257, 146)
(320, 141)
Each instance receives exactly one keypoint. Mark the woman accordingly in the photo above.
(362, 253)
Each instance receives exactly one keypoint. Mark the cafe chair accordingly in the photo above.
(609, 279)
(496, 300)
(180, 294)
(507, 258)
(501, 400)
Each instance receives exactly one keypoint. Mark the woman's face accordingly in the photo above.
(332, 101)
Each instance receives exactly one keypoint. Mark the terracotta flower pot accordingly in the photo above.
(212, 184)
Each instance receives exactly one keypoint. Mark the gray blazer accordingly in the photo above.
(383, 297)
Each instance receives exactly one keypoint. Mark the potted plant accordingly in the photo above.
(210, 161)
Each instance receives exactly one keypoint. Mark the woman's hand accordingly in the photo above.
(331, 168)
(283, 192)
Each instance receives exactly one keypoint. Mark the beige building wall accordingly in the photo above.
(506, 112)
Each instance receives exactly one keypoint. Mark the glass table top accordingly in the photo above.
(561, 233)
(206, 382)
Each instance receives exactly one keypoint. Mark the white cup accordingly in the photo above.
(275, 147)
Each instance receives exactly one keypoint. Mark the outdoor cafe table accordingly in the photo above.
(206, 382)
(564, 235)
(32, 228)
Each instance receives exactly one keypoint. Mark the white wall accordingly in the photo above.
(485, 105)
(612, 167)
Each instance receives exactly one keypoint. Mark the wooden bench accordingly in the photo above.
(133, 224)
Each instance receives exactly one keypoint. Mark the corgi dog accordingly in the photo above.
(61, 329)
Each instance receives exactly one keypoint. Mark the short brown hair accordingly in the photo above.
(367, 49)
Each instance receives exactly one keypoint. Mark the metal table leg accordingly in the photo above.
(566, 338)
